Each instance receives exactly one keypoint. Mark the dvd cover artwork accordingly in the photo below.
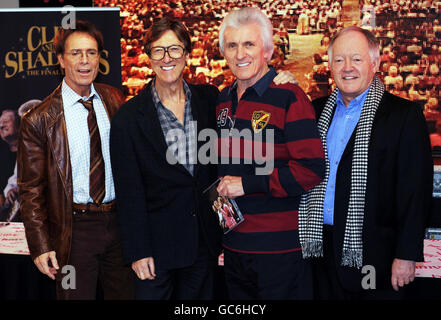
(226, 209)
(437, 182)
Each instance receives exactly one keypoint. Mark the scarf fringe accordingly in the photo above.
(352, 258)
(311, 204)
(312, 249)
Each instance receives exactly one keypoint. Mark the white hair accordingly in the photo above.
(244, 16)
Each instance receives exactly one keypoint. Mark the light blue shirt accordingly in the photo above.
(342, 126)
(75, 115)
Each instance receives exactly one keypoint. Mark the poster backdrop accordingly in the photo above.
(29, 72)
(409, 33)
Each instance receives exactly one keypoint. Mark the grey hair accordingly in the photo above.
(244, 16)
(373, 43)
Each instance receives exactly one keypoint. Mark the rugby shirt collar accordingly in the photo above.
(261, 85)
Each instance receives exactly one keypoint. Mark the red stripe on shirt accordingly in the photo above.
(269, 222)
(269, 252)
(305, 177)
(275, 187)
(245, 149)
(307, 148)
(300, 109)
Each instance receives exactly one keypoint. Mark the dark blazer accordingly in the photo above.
(45, 175)
(398, 193)
(163, 212)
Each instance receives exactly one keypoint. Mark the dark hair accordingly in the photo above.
(80, 26)
(159, 27)
(317, 58)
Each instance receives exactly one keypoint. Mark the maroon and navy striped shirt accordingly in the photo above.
(279, 118)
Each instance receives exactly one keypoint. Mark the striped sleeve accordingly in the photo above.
(306, 166)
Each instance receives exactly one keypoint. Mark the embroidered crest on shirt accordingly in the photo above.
(259, 120)
(222, 117)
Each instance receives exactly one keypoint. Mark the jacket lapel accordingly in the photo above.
(58, 143)
(105, 101)
(150, 126)
(195, 108)
(110, 99)
(149, 123)
(349, 146)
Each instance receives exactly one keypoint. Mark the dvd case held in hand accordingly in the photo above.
(436, 182)
(226, 209)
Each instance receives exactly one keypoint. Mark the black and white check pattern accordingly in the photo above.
(177, 136)
(311, 205)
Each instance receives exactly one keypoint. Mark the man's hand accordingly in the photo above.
(285, 76)
(230, 187)
(11, 196)
(145, 268)
(403, 272)
(42, 264)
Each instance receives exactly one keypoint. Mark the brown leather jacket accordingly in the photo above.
(45, 176)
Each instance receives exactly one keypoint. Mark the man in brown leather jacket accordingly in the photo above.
(65, 179)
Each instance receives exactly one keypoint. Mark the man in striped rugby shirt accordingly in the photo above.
(263, 257)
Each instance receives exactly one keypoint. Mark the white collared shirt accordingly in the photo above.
(75, 115)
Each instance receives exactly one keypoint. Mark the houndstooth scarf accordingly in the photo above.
(311, 204)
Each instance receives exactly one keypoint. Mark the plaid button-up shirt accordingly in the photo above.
(180, 139)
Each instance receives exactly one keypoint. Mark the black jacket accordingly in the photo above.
(161, 206)
(398, 193)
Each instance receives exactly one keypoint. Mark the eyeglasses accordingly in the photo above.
(78, 54)
(174, 52)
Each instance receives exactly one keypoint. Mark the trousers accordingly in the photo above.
(96, 255)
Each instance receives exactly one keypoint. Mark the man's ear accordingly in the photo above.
(268, 54)
(60, 60)
(376, 65)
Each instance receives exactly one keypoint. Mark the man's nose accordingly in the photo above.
(347, 65)
(84, 58)
(241, 52)
(167, 57)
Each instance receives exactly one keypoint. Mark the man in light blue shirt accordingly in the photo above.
(370, 210)
(342, 126)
